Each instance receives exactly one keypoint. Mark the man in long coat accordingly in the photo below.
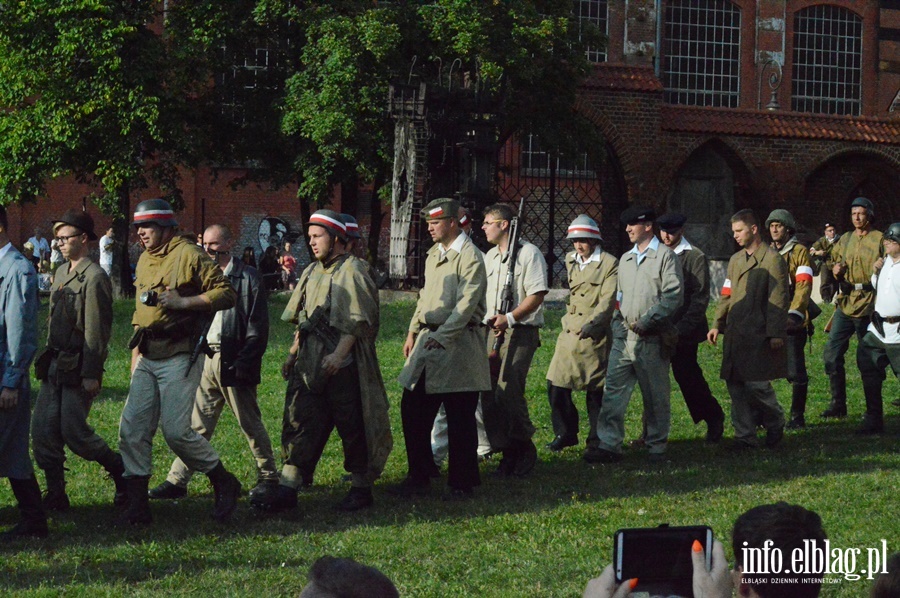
(18, 343)
(582, 348)
(445, 359)
(752, 314)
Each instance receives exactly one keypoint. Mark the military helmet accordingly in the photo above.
(584, 227)
(154, 211)
(893, 232)
(863, 202)
(330, 221)
(782, 216)
(352, 226)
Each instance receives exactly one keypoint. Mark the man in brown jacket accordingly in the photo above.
(176, 283)
(690, 321)
(752, 314)
(71, 367)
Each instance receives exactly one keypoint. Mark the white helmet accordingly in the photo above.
(584, 227)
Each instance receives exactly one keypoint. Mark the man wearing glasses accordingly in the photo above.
(71, 367)
(237, 338)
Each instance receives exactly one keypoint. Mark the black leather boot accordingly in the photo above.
(873, 420)
(227, 489)
(34, 520)
(838, 407)
(112, 463)
(56, 499)
(798, 407)
(138, 511)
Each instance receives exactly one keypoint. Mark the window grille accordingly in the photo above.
(701, 53)
(827, 69)
(535, 161)
(239, 85)
(593, 11)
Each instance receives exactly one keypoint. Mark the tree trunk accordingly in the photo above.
(377, 219)
(122, 284)
(305, 213)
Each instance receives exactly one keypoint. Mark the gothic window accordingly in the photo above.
(827, 67)
(701, 53)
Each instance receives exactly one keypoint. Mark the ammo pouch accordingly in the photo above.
(42, 364)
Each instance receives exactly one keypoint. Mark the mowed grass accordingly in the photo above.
(541, 536)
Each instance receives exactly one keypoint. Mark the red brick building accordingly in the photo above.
(706, 107)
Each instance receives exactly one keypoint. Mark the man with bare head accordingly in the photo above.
(237, 339)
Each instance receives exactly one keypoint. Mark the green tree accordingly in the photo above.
(522, 61)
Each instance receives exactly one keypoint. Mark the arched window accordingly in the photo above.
(701, 53)
(594, 12)
(827, 70)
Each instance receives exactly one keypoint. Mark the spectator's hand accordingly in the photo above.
(639, 329)
(776, 343)
(9, 398)
(878, 265)
(795, 324)
(241, 375)
(715, 583)
(288, 365)
(605, 586)
(712, 336)
(91, 387)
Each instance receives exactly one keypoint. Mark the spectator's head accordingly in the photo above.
(4, 222)
(110, 232)
(830, 230)
(887, 585)
(331, 577)
(756, 536)
(37, 233)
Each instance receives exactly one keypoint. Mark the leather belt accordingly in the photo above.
(434, 327)
(891, 319)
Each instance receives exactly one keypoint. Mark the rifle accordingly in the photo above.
(318, 325)
(507, 295)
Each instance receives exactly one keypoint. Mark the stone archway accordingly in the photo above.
(710, 186)
(832, 186)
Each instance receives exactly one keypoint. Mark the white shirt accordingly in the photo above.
(106, 254)
(887, 299)
(682, 246)
(456, 245)
(214, 336)
(529, 278)
(595, 257)
(653, 244)
(40, 247)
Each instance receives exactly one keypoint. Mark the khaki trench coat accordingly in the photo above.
(580, 364)
(450, 309)
(755, 311)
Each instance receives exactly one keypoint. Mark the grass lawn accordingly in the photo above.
(542, 536)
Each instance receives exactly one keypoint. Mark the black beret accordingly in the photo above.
(635, 214)
(671, 221)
